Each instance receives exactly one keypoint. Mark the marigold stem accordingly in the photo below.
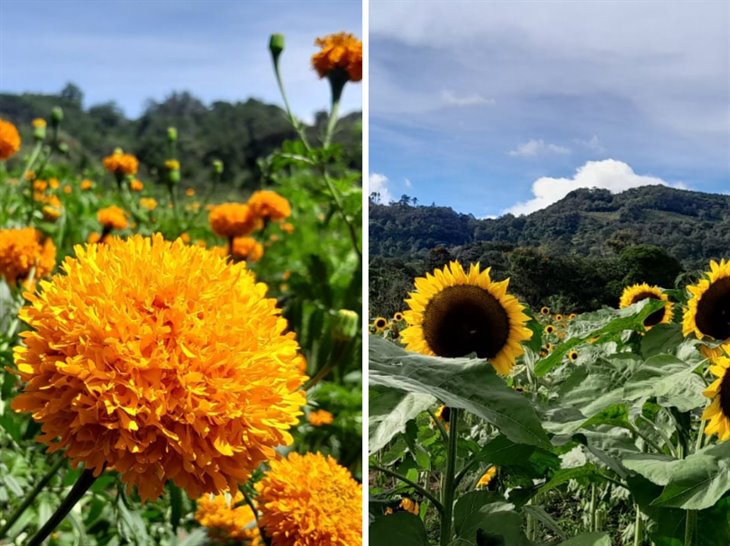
(86, 479)
(31, 496)
(252, 506)
(423, 491)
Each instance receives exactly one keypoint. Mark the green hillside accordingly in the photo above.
(575, 255)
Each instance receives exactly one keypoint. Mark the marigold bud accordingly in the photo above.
(39, 128)
(56, 115)
(63, 148)
(171, 134)
(217, 166)
(346, 325)
(276, 45)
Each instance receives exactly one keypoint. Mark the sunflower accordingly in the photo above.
(9, 139)
(718, 412)
(558, 317)
(573, 356)
(708, 310)
(225, 520)
(398, 317)
(571, 316)
(246, 248)
(233, 220)
(161, 361)
(454, 313)
(487, 477)
(380, 323)
(310, 500)
(637, 292)
(24, 251)
(342, 53)
(269, 205)
(549, 329)
(320, 417)
(545, 311)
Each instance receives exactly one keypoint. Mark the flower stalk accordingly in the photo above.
(447, 490)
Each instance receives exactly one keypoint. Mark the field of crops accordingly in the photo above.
(181, 362)
(597, 429)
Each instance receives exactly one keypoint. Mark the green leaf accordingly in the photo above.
(564, 475)
(601, 324)
(588, 539)
(399, 529)
(671, 381)
(197, 537)
(390, 410)
(656, 468)
(486, 514)
(661, 339)
(464, 383)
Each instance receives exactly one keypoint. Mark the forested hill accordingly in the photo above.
(691, 226)
(237, 133)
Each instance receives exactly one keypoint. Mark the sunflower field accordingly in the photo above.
(181, 366)
(494, 424)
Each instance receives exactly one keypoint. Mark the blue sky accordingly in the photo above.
(494, 107)
(134, 50)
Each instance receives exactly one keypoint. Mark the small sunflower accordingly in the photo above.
(9, 139)
(487, 477)
(398, 317)
(573, 356)
(637, 292)
(708, 310)
(571, 316)
(454, 313)
(549, 329)
(559, 317)
(718, 412)
(545, 311)
(310, 500)
(380, 323)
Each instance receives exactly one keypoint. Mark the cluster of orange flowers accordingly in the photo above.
(160, 361)
(9, 139)
(246, 248)
(226, 520)
(341, 51)
(23, 251)
(112, 217)
(120, 163)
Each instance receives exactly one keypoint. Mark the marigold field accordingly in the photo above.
(494, 424)
(181, 359)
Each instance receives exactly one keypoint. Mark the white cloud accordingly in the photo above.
(379, 184)
(452, 99)
(408, 183)
(538, 147)
(615, 176)
(593, 144)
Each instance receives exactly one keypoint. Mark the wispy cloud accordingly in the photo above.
(538, 147)
(450, 98)
(610, 174)
(593, 144)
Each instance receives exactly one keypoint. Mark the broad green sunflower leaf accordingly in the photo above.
(464, 383)
(390, 410)
(399, 529)
(588, 539)
(485, 515)
(671, 381)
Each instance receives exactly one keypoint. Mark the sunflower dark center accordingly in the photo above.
(380, 323)
(713, 310)
(465, 319)
(657, 316)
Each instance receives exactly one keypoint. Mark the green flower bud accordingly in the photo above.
(171, 134)
(63, 148)
(39, 129)
(276, 45)
(173, 176)
(56, 115)
(217, 166)
(346, 325)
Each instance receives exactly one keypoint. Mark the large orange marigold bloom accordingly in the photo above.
(121, 163)
(112, 217)
(339, 51)
(160, 361)
(246, 248)
(233, 220)
(310, 500)
(23, 251)
(9, 139)
(226, 521)
(269, 205)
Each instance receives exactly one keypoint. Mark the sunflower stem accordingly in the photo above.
(423, 491)
(31, 496)
(86, 479)
(689, 527)
(447, 492)
(638, 529)
(592, 510)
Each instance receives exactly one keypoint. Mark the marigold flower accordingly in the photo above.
(320, 417)
(190, 192)
(51, 213)
(38, 122)
(136, 185)
(94, 237)
(246, 248)
(224, 520)
(287, 227)
(149, 203)
(310, 500)
(9, 139)
(339, 51)
(25, 250)
(86, 184)
(233, 220)
(53, 183)
(40, 185)
(112, 217)
(160, 361)
(269, 205)
(67, 189)
(121, 163)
